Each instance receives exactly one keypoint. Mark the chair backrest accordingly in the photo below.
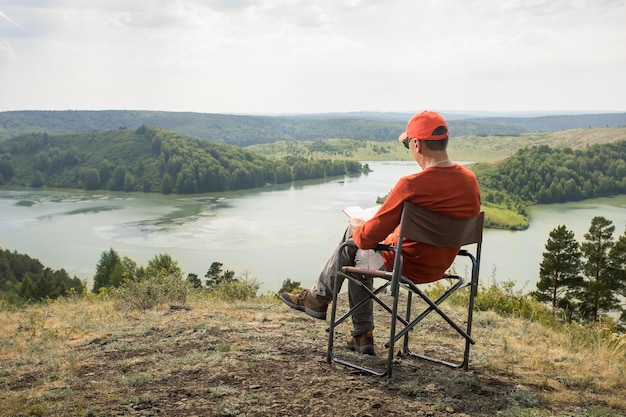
(422, 225)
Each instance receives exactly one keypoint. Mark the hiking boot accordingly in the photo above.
(307, 303)
(363, 343)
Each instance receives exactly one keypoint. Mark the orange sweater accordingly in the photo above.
(452, 191)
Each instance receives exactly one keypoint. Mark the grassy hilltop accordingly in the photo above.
(213, 357)
(474, 148)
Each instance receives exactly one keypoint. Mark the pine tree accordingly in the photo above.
(216, 276)
(600, 286)
(105, 270)
(559, 273)
(617, 268)
(194, 280)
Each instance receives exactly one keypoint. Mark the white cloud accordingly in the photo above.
(293, 56)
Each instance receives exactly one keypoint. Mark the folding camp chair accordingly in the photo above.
(419, 225)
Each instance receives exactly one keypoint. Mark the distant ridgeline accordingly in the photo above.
(241, 130)
(149, 160)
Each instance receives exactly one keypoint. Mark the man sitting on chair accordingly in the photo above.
(442, 186)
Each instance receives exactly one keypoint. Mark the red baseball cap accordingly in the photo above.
(427, 125)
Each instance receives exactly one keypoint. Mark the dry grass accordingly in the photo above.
(87, 358)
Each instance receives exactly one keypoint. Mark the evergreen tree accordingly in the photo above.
(617, 262)
(617, 268)
(194, 280)
(105, 270)
(119, 176)
(117, 275)
(559, 272)
(92, 179)
(166, 184)
(599, 289)
(38, 180)
(216, 276)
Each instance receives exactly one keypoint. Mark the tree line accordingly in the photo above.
(26, 280)
(23, 279)
(583, 281)
(544, 175)
(151, 160)
(113, 271)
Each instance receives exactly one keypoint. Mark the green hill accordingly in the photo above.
(236, 130)
(245, 130)
(149, 160)
(474, 148)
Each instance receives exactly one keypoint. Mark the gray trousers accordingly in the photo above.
(363, 317)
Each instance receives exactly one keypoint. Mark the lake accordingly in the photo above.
(271, 234)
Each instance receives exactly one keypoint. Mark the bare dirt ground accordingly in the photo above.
(263, 359)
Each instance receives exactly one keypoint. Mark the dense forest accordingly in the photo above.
(246, 130)
(541, 174)
(23, 278)
(150, 160)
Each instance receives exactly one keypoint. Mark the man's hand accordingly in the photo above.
(354, 223)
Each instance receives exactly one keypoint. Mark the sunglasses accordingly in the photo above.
(406, 141)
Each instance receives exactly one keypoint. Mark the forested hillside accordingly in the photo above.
(541, 175)
(230, 129)
(23, 278)
(242, 130)
(557, 122)
(149, 160)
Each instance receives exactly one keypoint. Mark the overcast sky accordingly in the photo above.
(306, 56)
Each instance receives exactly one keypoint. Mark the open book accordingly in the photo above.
(361, 213)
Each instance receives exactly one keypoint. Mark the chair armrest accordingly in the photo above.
(368, 272)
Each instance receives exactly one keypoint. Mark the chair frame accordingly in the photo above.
(420, 225)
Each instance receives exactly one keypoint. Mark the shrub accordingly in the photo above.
(239, 289)
(500, 298)
(598, 337)
(153, 291)
(503, 299)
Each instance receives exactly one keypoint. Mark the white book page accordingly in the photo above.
(361, 213)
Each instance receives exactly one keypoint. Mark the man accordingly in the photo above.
(442, 186)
